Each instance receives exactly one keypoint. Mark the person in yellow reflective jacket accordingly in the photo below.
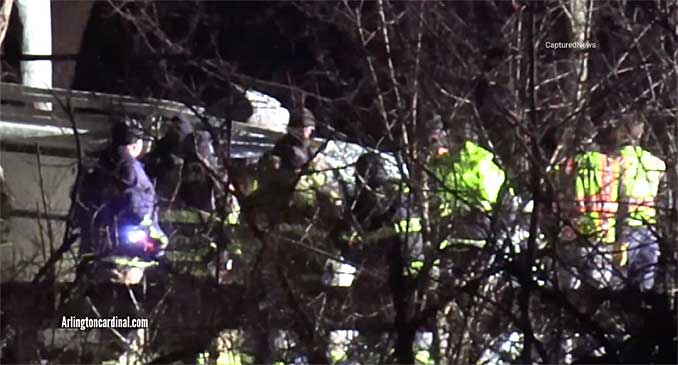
(467, 185)
(615, 191)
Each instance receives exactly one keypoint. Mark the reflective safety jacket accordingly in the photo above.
(470, 181)
(607, 184)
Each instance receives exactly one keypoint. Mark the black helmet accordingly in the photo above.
(182, 126)
(370, 168)
(301, 117)
(126, 131)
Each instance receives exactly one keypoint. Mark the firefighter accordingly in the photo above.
(385, 228)
(164, 163)
(615, 191)
(290, 186)
(294, 149)
(198, 188)
(119, 199)
(375, 214)
(291, 183)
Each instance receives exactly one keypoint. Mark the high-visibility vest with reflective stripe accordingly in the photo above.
(471, 181)
(597, 189)
(642, 176)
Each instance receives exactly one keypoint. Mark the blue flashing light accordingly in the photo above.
(135, 235)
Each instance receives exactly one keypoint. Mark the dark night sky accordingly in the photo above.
(267, 40)
(261, 39)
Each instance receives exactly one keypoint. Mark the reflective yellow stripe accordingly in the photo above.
(416, 266)
(233, 218)
(624, 254)
(158, 235)
(129, 261)
(467, 242)
(229, 358)
(411, 225)
(202, 358)
(443, 245)
(192, 217)
(147, 221)
(338, 354)
(181, 256)
(423, 357)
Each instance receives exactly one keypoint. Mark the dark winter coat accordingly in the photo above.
(293, 152)
(133, 196)
(197, 185)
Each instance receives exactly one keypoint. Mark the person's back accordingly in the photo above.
(283, 178)
(467, 184)
(471, 180)
(164, 163)
(197, 185)
(124, 198)
(376, 197)
(293, 150)
(614, 191)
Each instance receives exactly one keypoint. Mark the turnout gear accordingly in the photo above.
(289, 176)
(198, 188)
(164, 163)
(380, 220)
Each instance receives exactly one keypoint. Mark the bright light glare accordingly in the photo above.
(135, 235)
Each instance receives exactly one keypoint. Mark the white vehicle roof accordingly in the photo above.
(343, 155)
